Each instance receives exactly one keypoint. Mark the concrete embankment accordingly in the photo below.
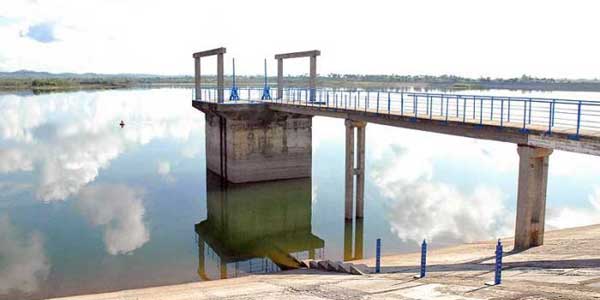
(567, 266)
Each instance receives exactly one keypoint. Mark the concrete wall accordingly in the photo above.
(261, 145)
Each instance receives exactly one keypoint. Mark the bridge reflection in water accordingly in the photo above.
(256, 228)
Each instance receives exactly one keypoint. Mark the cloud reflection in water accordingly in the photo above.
(23, 263)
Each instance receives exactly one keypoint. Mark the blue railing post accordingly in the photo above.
(492, 109)
(457, 100)
(550, 119)
(447, 102)
(430, 107)
(415, 106)
(378, 102)
(464, 110)
(508, 117)
(378, 256)
(401, 103)
(524, 129)
(473, 107)
(576, 135)
(501, 112)
(481, 112)
(529, 111)
(498, 267)
(423, 259)
(553, 110)
(389, 100)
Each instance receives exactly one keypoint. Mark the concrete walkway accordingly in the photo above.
(566, 267)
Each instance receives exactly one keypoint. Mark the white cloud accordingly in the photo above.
(165, 34)
(24, 263)
(119, 210)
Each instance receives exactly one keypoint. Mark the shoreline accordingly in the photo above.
(324, 83)
(567, 266)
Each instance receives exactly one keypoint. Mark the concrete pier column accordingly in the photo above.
(312, 83)
(223, 269)
(360, 170)
(201, 261)
(220, 78)
(355, 168)
(349, 187)
(197, 78)
(358, 239)
(348, 255)
(531, 196)
(280, 78)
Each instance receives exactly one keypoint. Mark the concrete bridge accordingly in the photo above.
(266, 135)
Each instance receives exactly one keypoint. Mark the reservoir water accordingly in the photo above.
(87, 206)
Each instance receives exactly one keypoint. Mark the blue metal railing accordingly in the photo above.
(525, 113)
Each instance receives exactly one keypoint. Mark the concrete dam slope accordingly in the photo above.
(566, 267)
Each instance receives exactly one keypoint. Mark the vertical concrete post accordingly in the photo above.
(360, 169)
(348, 240)
(197, 78)
(223, 269)
(349, 190)
(358, 239)
(280, 78)
(201, 261)
(220, 78)
(312, 83)
(531, 196)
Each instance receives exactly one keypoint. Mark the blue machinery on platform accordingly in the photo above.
(234, 89)
(266, 95)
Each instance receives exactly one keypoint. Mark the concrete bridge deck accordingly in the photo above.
(566, 137)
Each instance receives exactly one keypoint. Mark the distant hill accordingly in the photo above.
(27, 74)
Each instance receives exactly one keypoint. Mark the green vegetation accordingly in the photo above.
(40, 82)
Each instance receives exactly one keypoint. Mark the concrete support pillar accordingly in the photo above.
(220, 78)
(312, 83)
(280, 78)
(355, 167)
(349, 187)
(358, 239)
(223, 269)
(197, 78)
(201, 261)
(360, 170)
(348, 240)
(531, 196)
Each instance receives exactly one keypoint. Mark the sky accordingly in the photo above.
(506, 38)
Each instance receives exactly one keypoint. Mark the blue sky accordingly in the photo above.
(464, 37)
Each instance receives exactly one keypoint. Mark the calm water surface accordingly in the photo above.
(87, 206)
